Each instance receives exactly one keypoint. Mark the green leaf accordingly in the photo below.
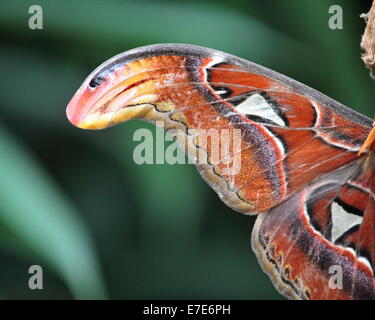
(36, 211)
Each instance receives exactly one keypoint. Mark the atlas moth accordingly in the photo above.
(307, 161)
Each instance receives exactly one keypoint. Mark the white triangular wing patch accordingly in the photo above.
(258, 106)
(342, 221)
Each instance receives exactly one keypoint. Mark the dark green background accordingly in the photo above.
(75, 203)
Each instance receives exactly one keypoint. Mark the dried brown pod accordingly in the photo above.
(368, 41)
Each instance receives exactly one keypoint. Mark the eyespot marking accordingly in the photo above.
(96, 82)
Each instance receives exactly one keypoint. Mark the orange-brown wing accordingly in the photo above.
(297, 156)
(289, 135)
(320, 243)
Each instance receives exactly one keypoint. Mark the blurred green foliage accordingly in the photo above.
(75, 203)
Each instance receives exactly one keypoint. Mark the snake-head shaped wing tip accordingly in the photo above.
(125, 86)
